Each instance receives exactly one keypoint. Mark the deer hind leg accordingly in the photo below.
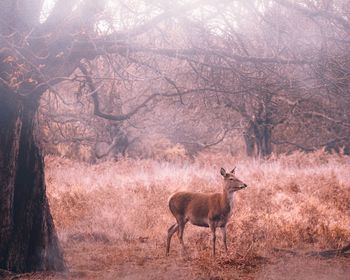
(180, 232)
(171, 232)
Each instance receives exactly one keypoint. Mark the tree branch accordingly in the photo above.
(205, 145)
(86, 48)
(140, 29)
(94, 96)
(316, 13)
(300, 146)
(108, 150)
(320, 115)
(309, 149)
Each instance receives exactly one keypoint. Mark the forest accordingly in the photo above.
(109, 107)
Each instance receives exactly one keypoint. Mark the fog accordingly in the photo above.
(127, 102)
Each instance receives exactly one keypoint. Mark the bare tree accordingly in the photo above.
(34, 57)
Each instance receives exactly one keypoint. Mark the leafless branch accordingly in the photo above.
(94, 95)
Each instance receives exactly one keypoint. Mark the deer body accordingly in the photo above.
(201, 209)
(204, 209)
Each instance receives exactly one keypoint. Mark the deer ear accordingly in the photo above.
(222, 172)
(233, 170)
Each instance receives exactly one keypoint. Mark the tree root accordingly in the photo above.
(332, 253)
(326, 254)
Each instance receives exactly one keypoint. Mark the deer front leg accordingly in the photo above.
(213, 235)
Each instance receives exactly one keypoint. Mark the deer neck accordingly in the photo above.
(227, 199)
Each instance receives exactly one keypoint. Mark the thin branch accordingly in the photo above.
(315, 13)
(108, 150)
(101, 46)
(300, 146)
(205, 145)
(154, 21)
(95, 99)
(320, 115)
(310, 149)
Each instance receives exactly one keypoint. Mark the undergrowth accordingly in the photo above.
(296, 201)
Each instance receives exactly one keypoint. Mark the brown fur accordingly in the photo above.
(207, 210)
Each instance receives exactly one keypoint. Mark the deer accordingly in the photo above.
(211, 210)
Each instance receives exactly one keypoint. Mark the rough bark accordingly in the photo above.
(257, 139)
(28, 240)
(249, 140)
(263, 140)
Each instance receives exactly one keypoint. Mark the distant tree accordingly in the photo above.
(284, 68)
(274, 74)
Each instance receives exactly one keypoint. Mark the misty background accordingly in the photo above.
(244, 77)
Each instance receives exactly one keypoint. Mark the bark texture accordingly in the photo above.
(257, 139)
(28, 240)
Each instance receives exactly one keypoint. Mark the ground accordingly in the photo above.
(144, 260)
(112, 219)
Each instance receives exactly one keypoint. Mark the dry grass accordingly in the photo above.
(112, 218)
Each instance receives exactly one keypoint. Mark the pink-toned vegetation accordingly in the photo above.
(112, 217)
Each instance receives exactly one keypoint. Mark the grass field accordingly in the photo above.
(112, 218)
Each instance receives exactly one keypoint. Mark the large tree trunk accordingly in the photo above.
(28, 239)
(257, 139)
(249, 140)
(263, 140)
